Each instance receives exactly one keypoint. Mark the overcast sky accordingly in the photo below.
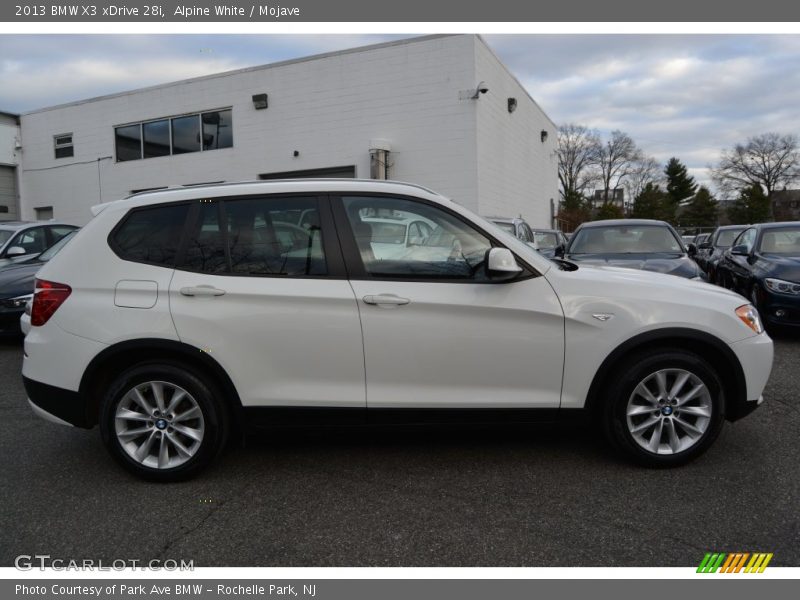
(676, 95)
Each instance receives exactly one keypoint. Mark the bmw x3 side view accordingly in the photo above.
(177, 319)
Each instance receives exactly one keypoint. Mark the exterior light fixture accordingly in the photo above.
(512, 105)
(544, 135)
(260, 101)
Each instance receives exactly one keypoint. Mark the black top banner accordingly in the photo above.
(405, 11)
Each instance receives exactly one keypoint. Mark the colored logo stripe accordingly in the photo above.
(734, 562)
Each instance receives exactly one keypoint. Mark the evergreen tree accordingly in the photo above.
(701, 211)
(752, 206)
(680, 185)
(651, 203)
(608, 211)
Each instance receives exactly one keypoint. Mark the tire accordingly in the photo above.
(192, 422)
(696, 425)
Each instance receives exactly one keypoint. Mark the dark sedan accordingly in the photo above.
(710, 252)
(764, 265)
(16, 286)
(632, 243)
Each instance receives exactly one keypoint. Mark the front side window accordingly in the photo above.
(151, 235)
(33, 240)
(251, 237)
(442, 247)
(726, 237)
(746, 239)
(546, 240)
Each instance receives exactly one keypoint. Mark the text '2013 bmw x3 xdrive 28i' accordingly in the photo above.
(176, 317)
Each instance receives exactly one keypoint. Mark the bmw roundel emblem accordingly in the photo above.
(161, 424)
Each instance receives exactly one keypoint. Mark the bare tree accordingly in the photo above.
(577, 146)
(770, 160)
(645, 170)
(615, 160)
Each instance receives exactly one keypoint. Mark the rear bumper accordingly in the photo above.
(57, 405)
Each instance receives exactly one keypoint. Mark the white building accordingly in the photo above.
(439, 111)
(9, 158)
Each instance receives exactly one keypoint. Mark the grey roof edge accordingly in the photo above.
(264, 67)
(6, 113)
(514, 77)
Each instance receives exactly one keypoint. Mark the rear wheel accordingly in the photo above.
(665, 408)
(163, 422)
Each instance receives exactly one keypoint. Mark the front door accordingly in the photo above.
(438, 331)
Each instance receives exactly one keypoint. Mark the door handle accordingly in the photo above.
(386, 299)
(202, 290)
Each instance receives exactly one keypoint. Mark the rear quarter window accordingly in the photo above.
(150, 235)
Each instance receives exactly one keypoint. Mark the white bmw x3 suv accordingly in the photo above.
(177, 317)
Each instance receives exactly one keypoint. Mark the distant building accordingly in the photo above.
(9, 159)
(786, 205)
(439, 111)
(616, 197)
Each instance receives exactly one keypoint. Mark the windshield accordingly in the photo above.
(387, 233)
(625, 239)
(545, 240)
(53, 250)
(785, 241)
(5, 235)
(726, 237)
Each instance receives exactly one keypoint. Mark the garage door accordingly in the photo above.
(8, 194)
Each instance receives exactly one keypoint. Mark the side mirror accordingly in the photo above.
(704, 246)
(692, 250)
(501, 262)
(740, 250)
(559, 251)
(16, 251)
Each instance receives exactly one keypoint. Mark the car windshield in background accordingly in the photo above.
(5, 235)
(625, 239)
(726, 237)
(781, 241)
(388, 233)
(545, 240)
(507, 227)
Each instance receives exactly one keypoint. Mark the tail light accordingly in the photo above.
(47, 297)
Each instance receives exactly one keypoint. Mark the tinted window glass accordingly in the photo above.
(205, 250)
(263, 244)
(546, 239)
(156, 138)
(451, 249)
(33, 240)
(185, 134)
(217, 129)
(725, 237)
(57, 232)
(151, 235)
(128, 141)
(746, 239)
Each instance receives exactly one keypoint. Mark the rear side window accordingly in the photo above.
(151, 235)
(258, 237)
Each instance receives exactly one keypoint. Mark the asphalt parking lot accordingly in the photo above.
(543, 497)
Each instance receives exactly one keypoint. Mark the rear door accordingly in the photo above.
(438, 332)
(269, 300)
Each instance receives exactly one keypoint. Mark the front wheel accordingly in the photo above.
(162, 422)
(665, 408)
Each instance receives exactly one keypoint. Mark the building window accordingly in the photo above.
(211, 130)
(44, 213)
(3, 209)
(63, 145)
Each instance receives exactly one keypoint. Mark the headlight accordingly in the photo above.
(749, 316)
(782, 287)
(18, 302)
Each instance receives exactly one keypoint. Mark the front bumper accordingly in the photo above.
(755, 357)
(779, 310)
(57, 405)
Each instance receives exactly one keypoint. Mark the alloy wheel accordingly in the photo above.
(669, 411)
(159, 424)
